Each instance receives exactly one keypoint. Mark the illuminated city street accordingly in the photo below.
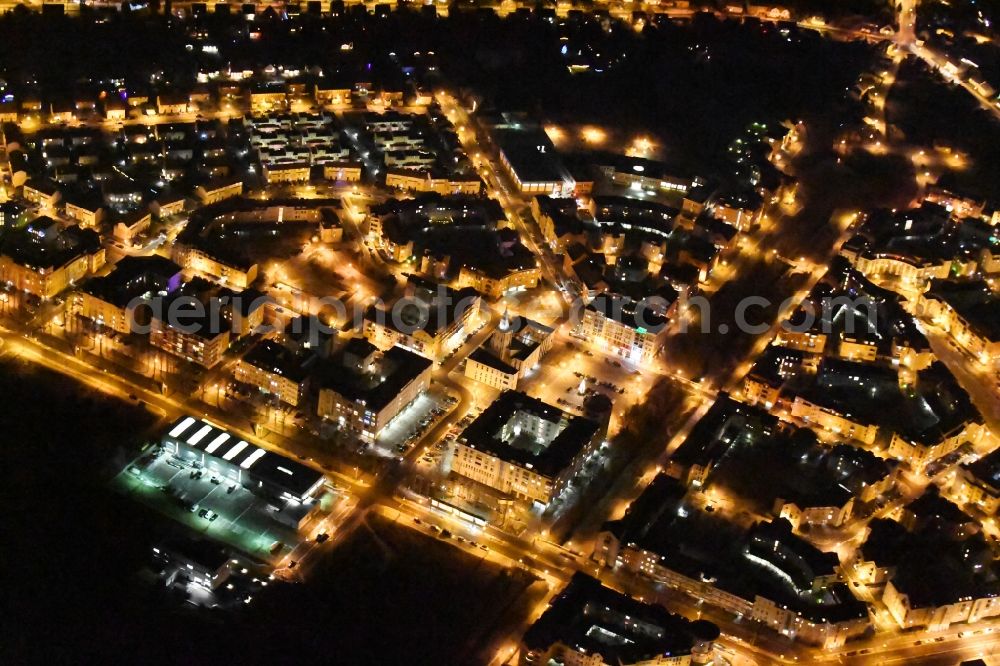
(502, 333)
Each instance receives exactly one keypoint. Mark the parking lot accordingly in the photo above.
(405, 430)
(558, 380)
(214, 507)
(434, 456)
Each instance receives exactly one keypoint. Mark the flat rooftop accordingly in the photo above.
(134, 277)
(489, 432)
(531, 155)
(728, 423)
(655, 169)
(272, 357)
(933, 566)
(487, 358)
(281, 472)
(43, 244)
(922, 235)
(375, 386)
(974, 302)
(928, 411)
(204, 552)
(593, 619)
(432, 308)
(769, 560)
(625, 311)
(986, 469)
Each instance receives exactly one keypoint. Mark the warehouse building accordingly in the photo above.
(264, 473)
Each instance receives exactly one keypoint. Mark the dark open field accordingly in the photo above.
(72, 548)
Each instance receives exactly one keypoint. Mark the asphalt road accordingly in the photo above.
(546, 561)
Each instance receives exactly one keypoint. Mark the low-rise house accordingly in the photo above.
(44, 259)
(170, 104)
(969, 312)
(590, 624)
(274, 370)
(219, 190)
(43, 193)
(129, 226)
(342, 172)
(87, 215)
(416, 180)
(116, 300)
(166, 205)
(977, 484)
(290, 172)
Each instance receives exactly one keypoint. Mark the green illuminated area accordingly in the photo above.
(244, 521)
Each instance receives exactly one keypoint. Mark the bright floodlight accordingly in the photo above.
(216, 443)
(200, 435)
(235, 451)
(252, 458)
(182, 426)
(593, 135)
